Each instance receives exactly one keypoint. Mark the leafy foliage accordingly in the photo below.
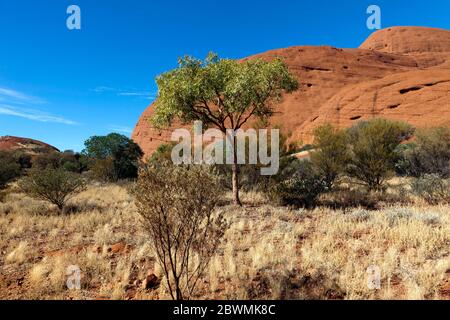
(53, 185)
(301, 188)
(373, 146)
(9, 168)
(217, 90)
(68, 160)
(432, 188)
(331, 153)
(431, 154)
(115, 156)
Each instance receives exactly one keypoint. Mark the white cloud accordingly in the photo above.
(121, 129)
(147, 95)
(101, 89)
(125, 93)
(13, 99)
(18, 97)
(33, 114)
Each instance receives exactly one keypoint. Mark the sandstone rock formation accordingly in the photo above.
(399, 73)
(29, 146)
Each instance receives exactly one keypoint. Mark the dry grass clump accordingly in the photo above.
(408, 245)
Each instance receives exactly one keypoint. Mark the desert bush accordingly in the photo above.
(177, 206)
(53, 185)
(23, 159)
(250, 174)
(300, 189)
(373, 146)
(9, 168)
(103, 170)
(47, 160)
(68, 160)
(432, 153)
(403, 162)
(432, 188)
(331, 153)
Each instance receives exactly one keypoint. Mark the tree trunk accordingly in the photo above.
(235, 176)
(179, 294)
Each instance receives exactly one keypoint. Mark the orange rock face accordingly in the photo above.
(400, 73)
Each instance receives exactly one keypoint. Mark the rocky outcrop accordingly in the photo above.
(399, 73)
(29, 146)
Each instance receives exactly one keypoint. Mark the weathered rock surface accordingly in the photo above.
(30, 146)
(400, 73)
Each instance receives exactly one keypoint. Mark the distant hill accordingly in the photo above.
(399, 73)
(26, 145)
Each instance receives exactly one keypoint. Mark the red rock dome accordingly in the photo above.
(399, 73)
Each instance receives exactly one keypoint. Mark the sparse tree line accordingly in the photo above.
(354, 164)
(57, 176)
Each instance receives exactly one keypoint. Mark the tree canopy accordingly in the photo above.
(223, 93)
(116, 155)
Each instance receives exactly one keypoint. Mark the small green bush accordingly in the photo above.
(432, 154)
(9, 168)
(432, 188)
(373, 146)
(331, 153)
(301, 189)
(53, 185)
(68, 160)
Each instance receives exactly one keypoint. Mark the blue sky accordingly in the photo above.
(63, 86)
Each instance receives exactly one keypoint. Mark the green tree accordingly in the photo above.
(331, 153)
(373, 146)
(123, 154)
(222, 93)
(53, 185)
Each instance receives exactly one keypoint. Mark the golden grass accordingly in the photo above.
(267, 253)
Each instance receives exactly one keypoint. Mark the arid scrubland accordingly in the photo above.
(268, 252)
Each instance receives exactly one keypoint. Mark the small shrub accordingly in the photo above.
(53, 185)
(103, 169)
(373, 147)
(47, 160)
(68, 160)
(301, 189)
(9, 168)
(432, 154)
(332, 153)
(432, 188)
(177, 204)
